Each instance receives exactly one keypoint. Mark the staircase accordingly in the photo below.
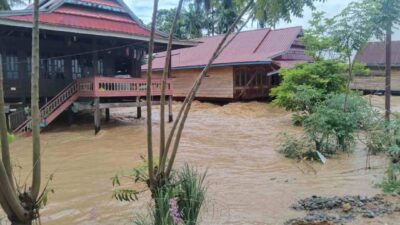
(52, 109)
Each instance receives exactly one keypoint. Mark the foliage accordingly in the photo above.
(191, 193)
(382, 13)
(318, 42)
(273, 11)
(189, 26)
(295, 147)
(391, 186)
(306, 85)
(351, 29)
(360, 69)
(331, 128)
(186, 186)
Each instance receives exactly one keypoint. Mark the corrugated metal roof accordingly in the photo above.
(374, 54)
(255, 46)
(96, 15)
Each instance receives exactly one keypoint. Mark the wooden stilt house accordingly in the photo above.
(90, 50)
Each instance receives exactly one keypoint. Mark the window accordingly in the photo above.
(76, 69)
(59, 69)
(11, 66)
(100, 66)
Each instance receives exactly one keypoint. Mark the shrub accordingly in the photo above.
(331, 127)
(294, 147)
(306, 85)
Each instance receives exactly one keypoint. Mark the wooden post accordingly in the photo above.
(170, 116)
(97, 115)
(139, 108)
(107, 114)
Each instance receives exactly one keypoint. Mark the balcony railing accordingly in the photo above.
(119, 87)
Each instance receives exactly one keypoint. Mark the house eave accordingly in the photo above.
(217, 65)
(23, 24)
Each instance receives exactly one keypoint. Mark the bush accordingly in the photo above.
(331, 127)
(294, 147)
(306, 85)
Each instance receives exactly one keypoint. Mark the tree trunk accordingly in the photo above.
(163, 151)
(36, 175)
(5, 150)
(148, 98)
(191, 95)
(388, 89)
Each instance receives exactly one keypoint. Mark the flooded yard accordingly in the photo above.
(249, 181)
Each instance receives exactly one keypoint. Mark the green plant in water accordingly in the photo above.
(191, 195)
(183, 194)
(331, 128)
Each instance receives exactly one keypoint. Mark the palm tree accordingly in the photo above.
(193, 22)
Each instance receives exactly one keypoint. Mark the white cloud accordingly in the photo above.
(143, 9)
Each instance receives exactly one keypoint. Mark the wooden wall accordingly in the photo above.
(376, 82)
(217, 85)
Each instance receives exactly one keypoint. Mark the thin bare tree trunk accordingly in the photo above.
(388, 89)
(346, 97)
(148, 97)
(5, 149)
(163, 151)
(191, 95)
(36, 175)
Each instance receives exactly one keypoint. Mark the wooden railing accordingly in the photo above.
(93, 87)
(15, 119)
(119, 87)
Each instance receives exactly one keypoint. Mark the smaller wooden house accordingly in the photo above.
(373, 55)
(246, 69)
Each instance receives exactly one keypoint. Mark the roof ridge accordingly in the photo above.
(251, 30)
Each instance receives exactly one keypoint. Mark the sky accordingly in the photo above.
(143, 9)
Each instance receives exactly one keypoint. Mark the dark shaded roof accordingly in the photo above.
(374, 54)
(249, 47)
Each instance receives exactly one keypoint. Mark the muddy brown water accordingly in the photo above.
(249, 181)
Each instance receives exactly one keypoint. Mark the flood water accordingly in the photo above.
(249, 181)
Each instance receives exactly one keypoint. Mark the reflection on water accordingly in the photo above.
(249, 182)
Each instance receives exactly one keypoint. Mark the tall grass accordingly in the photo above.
(192, 192)
(178, 202)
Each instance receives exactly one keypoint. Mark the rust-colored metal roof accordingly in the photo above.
(249, 47)
(67, 16)
(374, 54)
(87, 15)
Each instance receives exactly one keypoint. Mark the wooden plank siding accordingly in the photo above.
(217, 85)
(376, 81)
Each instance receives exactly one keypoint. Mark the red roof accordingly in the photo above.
(97, 15)
(249, 47)
(374, 54)
(66, 16)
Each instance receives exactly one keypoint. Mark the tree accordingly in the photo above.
(384, 15)
(316, 39)
(193, 22)
(22, 206)
(350, 31)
